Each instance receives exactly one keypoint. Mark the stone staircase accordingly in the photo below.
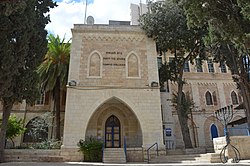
(114, 155)
(187, 158)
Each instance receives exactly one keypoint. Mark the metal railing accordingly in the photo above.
(125, 147)
(103, 144)
(169, 144)
(157, 149)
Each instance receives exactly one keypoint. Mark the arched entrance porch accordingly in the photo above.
(115, 123)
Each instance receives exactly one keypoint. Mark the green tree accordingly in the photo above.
(167, 25)
(229, 36)
(53, 72)
(22, 45)
(14, 128)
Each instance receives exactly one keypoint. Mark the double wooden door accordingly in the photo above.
(112, 132)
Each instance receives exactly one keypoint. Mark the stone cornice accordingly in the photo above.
(110, 33)
(113, 37)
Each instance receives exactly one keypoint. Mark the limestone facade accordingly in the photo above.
(116, 75)
(202, 85)
(113, 67)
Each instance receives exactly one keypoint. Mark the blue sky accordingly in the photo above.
(70, 12)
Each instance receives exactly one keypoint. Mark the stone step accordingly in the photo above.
(188, 158)
(114, 155)
(175, 152)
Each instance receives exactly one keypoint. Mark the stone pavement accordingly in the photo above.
(241, 163)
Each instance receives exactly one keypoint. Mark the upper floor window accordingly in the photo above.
(94, 65)
(159, 62)
(186, 67)
(133, 69)
(210, 66)
(209, 100)
(198, 65)
(170, 60)
(41, 99)
(223, 67)
(234, 98)
(214, 98)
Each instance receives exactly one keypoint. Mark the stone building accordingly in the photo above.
(211, 87)
(116, 97)
(113, 94)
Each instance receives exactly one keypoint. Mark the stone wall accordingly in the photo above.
(134, 155)
(32, 155)
(242, 143)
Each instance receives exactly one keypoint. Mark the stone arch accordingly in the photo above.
(133, 65)
(234, 98)
(95, 65)
(212, 120)
(208, 98)
(130, 125)
(214, 131)
(43, 134)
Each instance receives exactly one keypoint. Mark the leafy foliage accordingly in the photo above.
(187, 103)
(22, 45)
(39, 126)
(55, 63)
(91, 149)
(166, 23)
(227, 20)
(53, 72)
(14, 127)
(228, 38)
(48, 144)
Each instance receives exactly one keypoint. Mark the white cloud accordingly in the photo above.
(69, 12)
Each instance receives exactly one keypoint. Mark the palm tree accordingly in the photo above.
(53, 72)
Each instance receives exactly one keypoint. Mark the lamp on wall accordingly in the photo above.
(154, 84)
(72, 83)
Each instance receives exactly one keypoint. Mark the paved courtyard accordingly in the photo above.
(242, 163)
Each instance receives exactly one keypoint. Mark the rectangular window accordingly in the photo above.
(210, 66)
(223, 67)
(198, 65)
(186, 67)
(171, 59)
(159, 61)
(40, 100)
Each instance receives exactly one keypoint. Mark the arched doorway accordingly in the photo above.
(214, 131)
(112, 132)
(115, 121)
(37, 131)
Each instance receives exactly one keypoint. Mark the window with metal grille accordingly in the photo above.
(223, 67)
(40, 100)
(210, 66)
(198, 65)
(186, 67)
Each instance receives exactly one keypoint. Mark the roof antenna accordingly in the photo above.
(140, 8)
(85, 12)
